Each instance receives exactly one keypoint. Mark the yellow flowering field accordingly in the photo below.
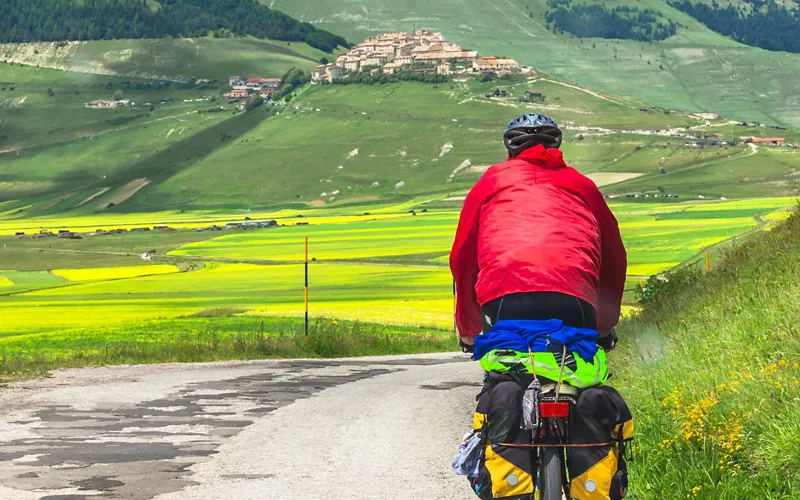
(113, 273)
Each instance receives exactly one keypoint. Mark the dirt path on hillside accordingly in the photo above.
(590, 92)
(125, 192)
(608, 178)
(100, 192)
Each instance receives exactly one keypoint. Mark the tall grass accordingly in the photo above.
(211, 337)
(711, 370)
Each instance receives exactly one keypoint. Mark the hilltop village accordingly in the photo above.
(424, 51)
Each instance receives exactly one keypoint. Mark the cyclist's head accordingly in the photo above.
(529, 130)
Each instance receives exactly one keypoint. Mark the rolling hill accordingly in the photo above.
(167, 58)
(695, 70)
(181, 147)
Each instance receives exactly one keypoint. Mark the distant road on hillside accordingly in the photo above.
(368, 428)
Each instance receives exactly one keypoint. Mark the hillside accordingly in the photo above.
(65, 20)
(711, 368)
(171, 59)
(343, 144)
(695, 70)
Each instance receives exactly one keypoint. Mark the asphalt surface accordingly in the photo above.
(366, 428)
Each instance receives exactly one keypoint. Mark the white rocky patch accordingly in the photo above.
(464, 164)
(448, 146)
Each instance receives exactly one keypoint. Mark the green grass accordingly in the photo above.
(702, 70)
(175, 59)
(212, 337)
(59, 154)
(31, 277)
(711, 370)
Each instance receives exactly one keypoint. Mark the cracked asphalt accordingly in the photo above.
(364, 428)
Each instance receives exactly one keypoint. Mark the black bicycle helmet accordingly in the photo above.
(529, 130)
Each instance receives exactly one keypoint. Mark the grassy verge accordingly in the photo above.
(711, 370)
(211, 336)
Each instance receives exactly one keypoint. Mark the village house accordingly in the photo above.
(495, 64)
(374, 60)
(260, 83)
(444, 69)
(386, 48)
(534, 96)
(236, 81)
(237, 94)
(327, 73)
(351, 64)
(405, 49)
(393, 67)
(775, 141)
(440, 56)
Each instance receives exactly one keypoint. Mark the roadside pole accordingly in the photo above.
(708, 261)
(306, 285)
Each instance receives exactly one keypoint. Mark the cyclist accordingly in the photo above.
(537, 241)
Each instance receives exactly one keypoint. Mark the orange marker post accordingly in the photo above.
(708, 261)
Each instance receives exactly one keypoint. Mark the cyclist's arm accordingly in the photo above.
(464, 265)
(613, 269)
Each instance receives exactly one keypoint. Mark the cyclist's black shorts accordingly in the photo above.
(542, 306)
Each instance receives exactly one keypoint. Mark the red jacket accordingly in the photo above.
(533, 224)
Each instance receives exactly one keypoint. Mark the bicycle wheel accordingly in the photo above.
(550, 484)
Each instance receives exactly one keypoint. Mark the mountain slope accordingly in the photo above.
(57, 20)
(167, 58)
(711, 370)
(696, 70)
(344, 144)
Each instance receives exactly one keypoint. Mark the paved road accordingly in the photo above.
(369, 428)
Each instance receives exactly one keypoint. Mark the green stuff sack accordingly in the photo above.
(577, 372)
(600, 472)
(506, 472)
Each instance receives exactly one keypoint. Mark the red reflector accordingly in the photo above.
(554, 410)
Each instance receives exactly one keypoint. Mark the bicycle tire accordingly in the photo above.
(550, 484)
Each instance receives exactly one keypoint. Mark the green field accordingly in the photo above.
(383, 143)
(696, 70)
